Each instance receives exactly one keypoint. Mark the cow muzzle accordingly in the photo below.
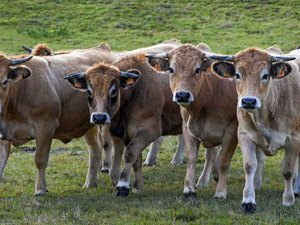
(183, 97)
(249, 102)
(100, 118)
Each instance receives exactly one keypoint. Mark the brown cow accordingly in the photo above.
(268, 108)
(44, 50)
(209, 115)
(137, 107)
(36, 104)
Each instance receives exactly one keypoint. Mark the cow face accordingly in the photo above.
(11, 72)
(104, 85)
(253, 71)
(186, 66)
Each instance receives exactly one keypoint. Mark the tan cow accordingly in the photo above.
(44, 50)
(36, 103)
(208, 108)
(137, 107)
(268, 108)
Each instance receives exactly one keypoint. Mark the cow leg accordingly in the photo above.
(288, 171)
(116, 163)
(4, 154)
(152, 154)
(229, 144)
(210, 160)
(41, 157)
(297, 178)
(107, 150)
(93, 140)
(178, 156)
(250, 165)
(260, 156)
(192, 147)
(141, 140)
(137, 168)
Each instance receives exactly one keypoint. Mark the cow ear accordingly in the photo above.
(206, 65)
(19, 73)
(129, 78)
(223, 69)
(78, 81)
(280, 70)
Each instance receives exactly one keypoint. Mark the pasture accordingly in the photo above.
(226, 26)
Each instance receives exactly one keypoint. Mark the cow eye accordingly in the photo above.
(113, 93)
(170, 70)
(237, 76)
(4, 84)
(197, 71)
(265, 76)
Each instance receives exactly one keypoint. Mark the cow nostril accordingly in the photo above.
(100, 118)
(249, 103)
(182, 95)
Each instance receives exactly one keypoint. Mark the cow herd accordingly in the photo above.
(127, 100)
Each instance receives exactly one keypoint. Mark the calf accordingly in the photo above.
(35, 104)
(208, 108)
(268, 88)
(134, 104)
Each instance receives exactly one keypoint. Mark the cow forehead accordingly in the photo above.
(101, 83)
(188, 51)
(185, 57)
(252, 60)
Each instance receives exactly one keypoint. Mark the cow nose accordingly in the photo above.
(249, 103)
(182, 96)
(100, 118)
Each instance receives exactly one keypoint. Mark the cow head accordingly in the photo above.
(104, 84)
(253, 70)
(186, 64)
(11, 71)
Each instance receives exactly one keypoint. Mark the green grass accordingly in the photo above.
(226, 26)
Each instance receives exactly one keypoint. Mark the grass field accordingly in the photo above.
(226, 26)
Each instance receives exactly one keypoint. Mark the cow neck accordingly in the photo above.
(118, 122)
(282, 100)
(211, 92)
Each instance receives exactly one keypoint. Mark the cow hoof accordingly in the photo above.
(220, 196)
(149, 164)
(90, 185)
(297, 195)
(249, 208)
(189, 195)
(105, 171)
(40, 192)
(122, 191)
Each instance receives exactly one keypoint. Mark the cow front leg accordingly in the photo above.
(41, 157)
(260, 156)
(140, 141)
(116, 163)
(210, 159)
(229, 143)
(94, 144)
(192, 147)
(152, 154)
(138, 185)
(288, 172)
(107, 150)
(179, 154)
(297, 178)
(250, 165)
(4, 154)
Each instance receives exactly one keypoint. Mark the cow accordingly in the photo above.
(208, 108)
(44, 50)
(268, 89)
(36, 103)
(135, 100)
